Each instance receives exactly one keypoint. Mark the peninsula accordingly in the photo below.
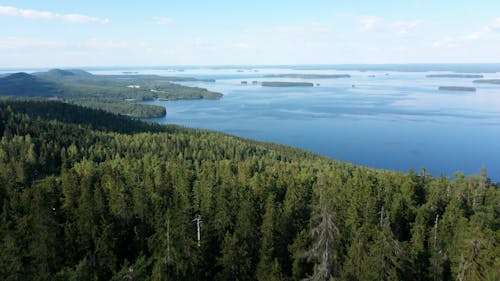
(118, 94)
(454, 76)
(457, 88)
(309, 76)
(488, 81)
(287, 84)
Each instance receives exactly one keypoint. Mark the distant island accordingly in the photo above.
(488, 81)
(309, 76)
(457, 88)
(114, 93)
(454, 76)
(152, 77)
(287, 84)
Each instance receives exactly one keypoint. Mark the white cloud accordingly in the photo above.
(447, 42)
(291, 32)
(89, 44)
(488, 32)
(344, 15)
(398, 28)
(163, 20)
(402, 28)
(16, 43)
(369, 23)
(242, 46)
(199, 42)
(35, 14)
(98, 44)
(494, 26)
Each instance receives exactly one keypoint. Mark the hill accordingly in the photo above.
(83, 198)
(25, 85)
(119, 94)
(58, 74)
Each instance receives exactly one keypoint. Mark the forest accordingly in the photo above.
(120, 94)
(90, 195)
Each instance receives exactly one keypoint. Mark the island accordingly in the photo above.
(488, 81)
(454, 76)
(244, 82)
(153, 77)
(309, 76)
(287, 84)
(120, 94)
(457, 88)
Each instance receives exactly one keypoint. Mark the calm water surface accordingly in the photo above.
(389, 120)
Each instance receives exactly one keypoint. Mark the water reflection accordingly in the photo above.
(394, 121)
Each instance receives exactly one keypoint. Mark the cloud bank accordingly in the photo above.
(35, 14)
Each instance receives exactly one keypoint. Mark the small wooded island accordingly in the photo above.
(454, 76)
(488, 81)
(457, 88)
(114, 93)
(310, 76)
(287, 84)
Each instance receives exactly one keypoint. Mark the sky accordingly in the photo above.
(67, 33)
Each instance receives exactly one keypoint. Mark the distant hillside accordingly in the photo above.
(56, 74)
(25, 85)
(119, 94)
(83, 116)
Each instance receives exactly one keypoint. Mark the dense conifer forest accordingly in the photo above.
(88, 195)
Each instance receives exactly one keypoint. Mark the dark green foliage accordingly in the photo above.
(87, 195)
(25, 85)
(73, 114)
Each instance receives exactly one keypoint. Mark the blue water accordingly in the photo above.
(395, 120)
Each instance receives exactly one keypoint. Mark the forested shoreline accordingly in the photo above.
(119, 94)
(89, 195)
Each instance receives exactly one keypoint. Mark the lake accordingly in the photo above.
(382, 119)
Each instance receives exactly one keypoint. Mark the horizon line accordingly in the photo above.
(245, 65)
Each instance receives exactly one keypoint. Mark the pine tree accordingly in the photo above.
(324, 234)
(269, 267)
(385, 252)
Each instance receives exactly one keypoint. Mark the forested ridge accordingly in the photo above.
(120, 94)
(88, 195)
